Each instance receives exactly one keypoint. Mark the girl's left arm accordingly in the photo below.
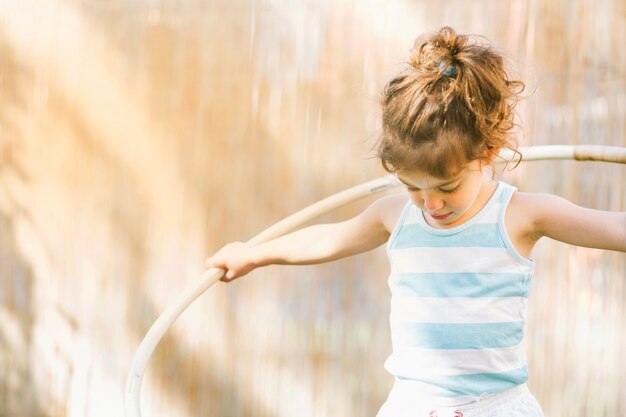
(559, 219)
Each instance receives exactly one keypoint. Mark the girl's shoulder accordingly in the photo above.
(389, 208)
(530, 207)
(520, 222)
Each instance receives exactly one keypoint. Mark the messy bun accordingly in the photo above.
(453, 104)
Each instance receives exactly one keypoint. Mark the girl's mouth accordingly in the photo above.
(443, 217)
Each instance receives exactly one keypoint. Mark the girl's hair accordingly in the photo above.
(453, 104)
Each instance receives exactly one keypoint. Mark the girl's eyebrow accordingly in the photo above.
(443, 184)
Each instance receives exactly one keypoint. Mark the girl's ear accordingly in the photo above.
(490, 156)
(489, 161)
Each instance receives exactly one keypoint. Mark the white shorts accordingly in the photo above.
(514, 402)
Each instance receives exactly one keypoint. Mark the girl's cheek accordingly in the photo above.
(416, 200)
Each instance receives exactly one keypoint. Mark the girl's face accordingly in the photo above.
(449, 202)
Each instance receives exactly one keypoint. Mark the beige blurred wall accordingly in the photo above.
(138, 137)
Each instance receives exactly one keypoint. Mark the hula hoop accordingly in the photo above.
(132, 394)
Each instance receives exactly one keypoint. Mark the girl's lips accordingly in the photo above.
(445, 216)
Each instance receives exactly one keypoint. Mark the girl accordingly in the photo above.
(459, 242)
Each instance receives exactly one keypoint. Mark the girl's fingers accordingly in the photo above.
(228, 276)
(214, 263)
(209, 262)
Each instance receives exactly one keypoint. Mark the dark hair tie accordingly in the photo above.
(446, 70)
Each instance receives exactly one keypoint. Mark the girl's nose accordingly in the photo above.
(432, 204)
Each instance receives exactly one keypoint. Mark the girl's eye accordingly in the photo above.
(453, 190)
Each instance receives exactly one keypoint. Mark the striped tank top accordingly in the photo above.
(458, 305)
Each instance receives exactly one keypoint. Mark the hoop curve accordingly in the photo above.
(132, 393)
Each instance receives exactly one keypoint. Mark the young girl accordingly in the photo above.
(459, 242)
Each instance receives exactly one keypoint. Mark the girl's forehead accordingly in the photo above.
(422, 179)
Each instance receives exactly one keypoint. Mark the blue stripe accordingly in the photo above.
(460, 284)
(478, 235)
(477, 384)
(458, 335)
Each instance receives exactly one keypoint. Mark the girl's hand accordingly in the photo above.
(236, 258)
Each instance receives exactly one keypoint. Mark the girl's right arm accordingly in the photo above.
(315, 244)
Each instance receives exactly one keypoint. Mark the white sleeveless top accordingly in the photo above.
(459, 305)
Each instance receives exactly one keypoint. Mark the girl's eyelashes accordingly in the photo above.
(450, 191)
(453, 190)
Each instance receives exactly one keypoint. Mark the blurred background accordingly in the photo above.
(139, 136)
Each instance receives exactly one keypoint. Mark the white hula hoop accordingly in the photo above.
(132, 394)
